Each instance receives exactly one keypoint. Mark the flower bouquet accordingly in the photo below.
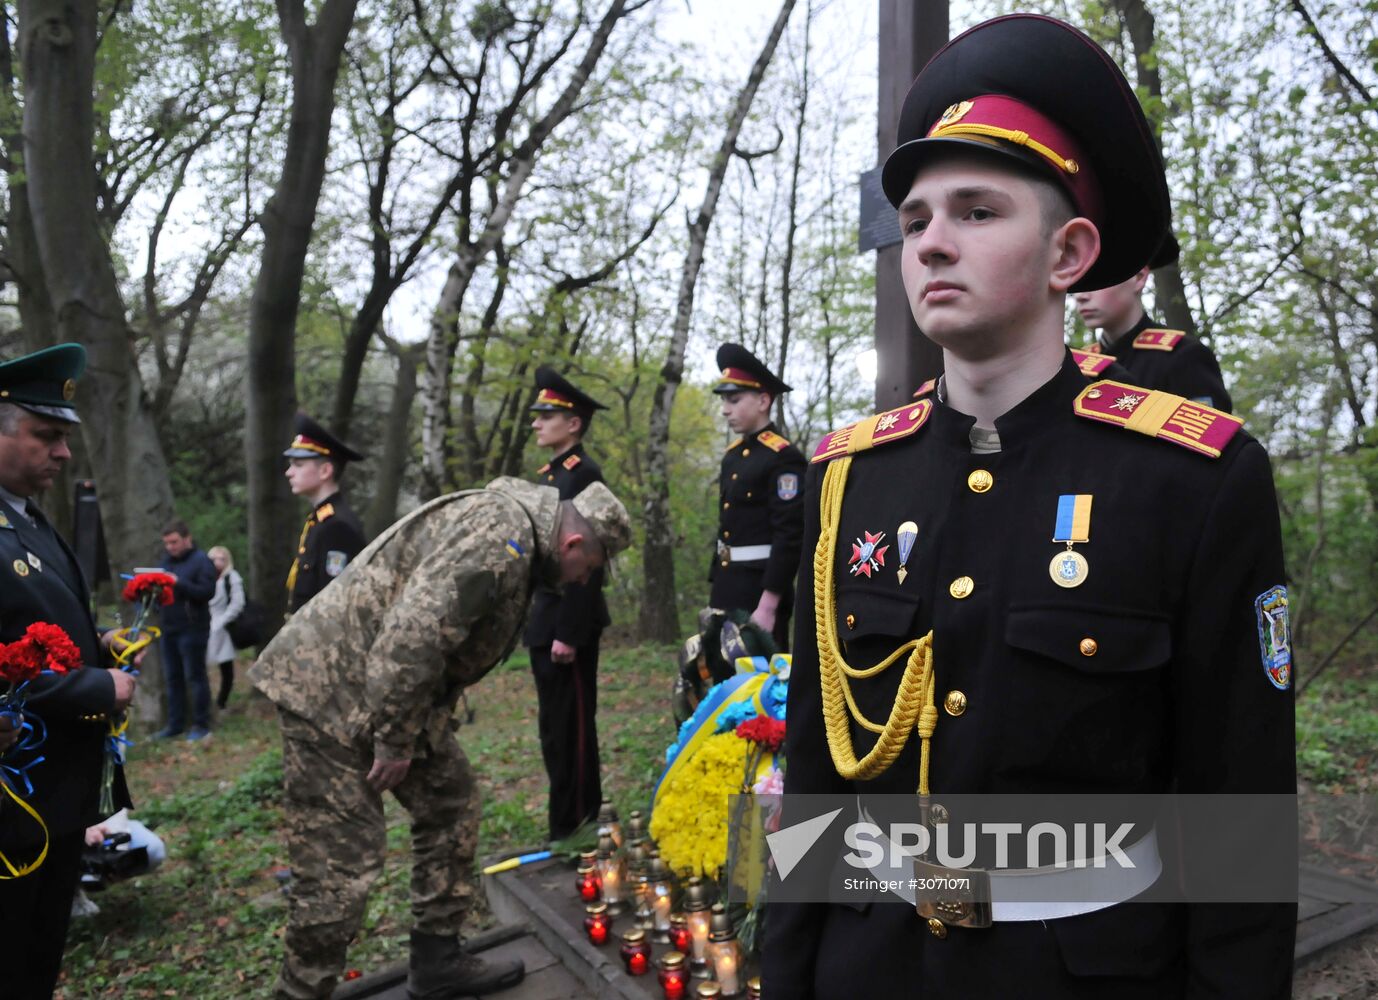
(44, 648)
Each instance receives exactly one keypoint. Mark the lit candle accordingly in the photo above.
(596, 922)
(586, 883)
(697, 911)
(636, 952)
(680, 938)
(672, 975)
(725, 954)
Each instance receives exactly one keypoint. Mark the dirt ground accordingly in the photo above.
(1346, 971)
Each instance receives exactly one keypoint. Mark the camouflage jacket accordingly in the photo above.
(428, 608)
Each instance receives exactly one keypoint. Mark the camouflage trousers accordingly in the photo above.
(336, 843)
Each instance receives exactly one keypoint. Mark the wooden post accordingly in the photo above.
(911, 32)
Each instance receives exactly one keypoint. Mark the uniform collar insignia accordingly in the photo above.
(571, 462)
(1092, 363)
(325, 510)
(544, 468)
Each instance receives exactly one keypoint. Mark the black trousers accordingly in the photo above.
(36, 910)
(567, 695)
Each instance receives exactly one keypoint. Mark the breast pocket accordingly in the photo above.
(1087, 695)
(865, 614)
(1089, 639)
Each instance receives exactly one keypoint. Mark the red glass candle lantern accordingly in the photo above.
(636, 952)
(586, 884)
(674, 977)
(753, 988)
(708, 989)
(597, 923)
(680, 938)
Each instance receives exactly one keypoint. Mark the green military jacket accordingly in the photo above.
(428, 608)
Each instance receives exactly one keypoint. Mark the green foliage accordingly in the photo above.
(1337, 732)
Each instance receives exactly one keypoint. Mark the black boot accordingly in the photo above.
(441, 969)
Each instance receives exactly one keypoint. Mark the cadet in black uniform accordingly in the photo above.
(1095, 569)
(43, 583)
(333, 533)
(1157, 358)
(760, 494)
(565, 626)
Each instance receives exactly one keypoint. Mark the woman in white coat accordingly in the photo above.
(226, 604)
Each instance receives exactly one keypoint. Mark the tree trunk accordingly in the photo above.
(287, 222)
(396, 449)
(1170, 293)
(659, 620)
(58, 44)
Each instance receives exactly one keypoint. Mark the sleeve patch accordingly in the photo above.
(1159, 340)
(772, 441)
(1274, 636)
(787, 486)
(1158, 414)
(880, 428)
(335, 562)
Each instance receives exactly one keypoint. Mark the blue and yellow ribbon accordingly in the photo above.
(1073, 518)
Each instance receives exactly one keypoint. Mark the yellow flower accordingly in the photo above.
(691, 814)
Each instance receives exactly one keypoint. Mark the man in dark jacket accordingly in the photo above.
(333, 533)
(43, 582)
(186, 625)
(565, 625)
(760, 499)
(1034, 584)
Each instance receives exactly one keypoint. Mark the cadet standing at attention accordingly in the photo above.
(760, 499)
(333, 533)
(1080, 584)
(566, 624)
(1157, 358)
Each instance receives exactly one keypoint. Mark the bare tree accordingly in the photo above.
(659, 620)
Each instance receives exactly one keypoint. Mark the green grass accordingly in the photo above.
(209, 923)
(1337, 732)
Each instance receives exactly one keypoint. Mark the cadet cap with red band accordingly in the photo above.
(1036, 90)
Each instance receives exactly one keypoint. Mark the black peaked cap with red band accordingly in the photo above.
(742, 371)
(1064, 78)
(311, 440)
(557, 393)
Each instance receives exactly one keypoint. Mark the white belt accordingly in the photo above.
(1023, 894)
(743, 553)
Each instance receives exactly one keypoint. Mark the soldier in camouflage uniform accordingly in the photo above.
(366, 677)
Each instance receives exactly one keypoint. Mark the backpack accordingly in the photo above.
(246, 628)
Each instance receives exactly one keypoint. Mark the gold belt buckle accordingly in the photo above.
(959, 897)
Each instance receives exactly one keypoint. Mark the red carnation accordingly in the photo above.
(147, 583)
(19, 662)
(768, 732)
(53, 646)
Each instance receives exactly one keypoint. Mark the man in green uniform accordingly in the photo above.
(43, 582)
(366, 677)
(333, 533)
(1031, 582)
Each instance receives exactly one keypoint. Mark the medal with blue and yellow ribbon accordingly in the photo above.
(1070, 568)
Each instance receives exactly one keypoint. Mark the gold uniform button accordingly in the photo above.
(937, 928)
(726, 504)
(980, 481)
(955, 703)
(746, 452)
(734, 475)
(1093, 394)
(727, 534)
(1089, 646)
(851, 621)
(748, 494)
(724, 564)
(938, 813)
(961, 587)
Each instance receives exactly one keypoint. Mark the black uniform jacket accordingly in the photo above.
(75, 706)
(1174, 696)
(1177, 363)
(332, 536)
(577, 614)
(760, 502)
